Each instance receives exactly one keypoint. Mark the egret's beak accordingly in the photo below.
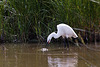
(47, 43)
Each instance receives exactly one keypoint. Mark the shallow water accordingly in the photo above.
(30, 55)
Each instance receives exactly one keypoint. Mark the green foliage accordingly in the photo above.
(38, 18)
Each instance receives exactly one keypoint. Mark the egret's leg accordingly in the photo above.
(67, 41)
(64, 43)
(67, 44)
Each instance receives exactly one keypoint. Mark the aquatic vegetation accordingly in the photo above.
(33, 20)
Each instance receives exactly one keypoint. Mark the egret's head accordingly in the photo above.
(50, 37)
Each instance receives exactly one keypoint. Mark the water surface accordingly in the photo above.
(29, 55)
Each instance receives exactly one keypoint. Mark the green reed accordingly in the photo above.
(26, 18)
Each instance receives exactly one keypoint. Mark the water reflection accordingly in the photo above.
(66, 60)
(30, 56)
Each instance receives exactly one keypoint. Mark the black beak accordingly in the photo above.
(46, 44)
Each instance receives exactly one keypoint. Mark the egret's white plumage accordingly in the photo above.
(63, 30)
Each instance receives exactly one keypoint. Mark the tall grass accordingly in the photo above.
(26, 20)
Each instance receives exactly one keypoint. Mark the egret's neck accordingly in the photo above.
(55, 35)
(52, 35)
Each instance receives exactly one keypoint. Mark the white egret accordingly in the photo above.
(63, 30)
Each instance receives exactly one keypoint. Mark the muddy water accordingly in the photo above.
(30, 55)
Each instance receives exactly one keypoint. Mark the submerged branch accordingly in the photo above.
(82, 30)
(95, 1)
